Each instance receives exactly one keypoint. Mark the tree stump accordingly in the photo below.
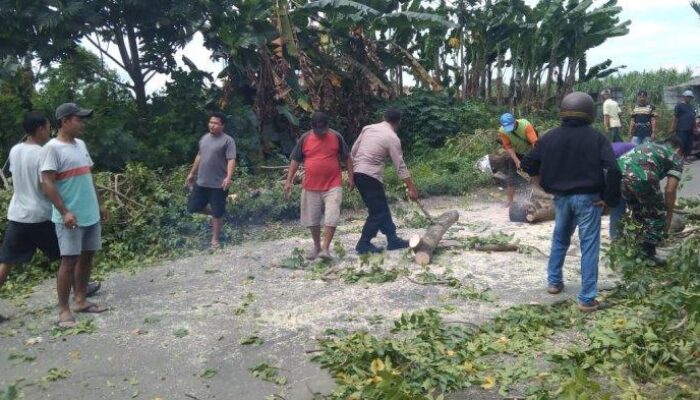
(538, 207)
(518, 212)
(424, 246)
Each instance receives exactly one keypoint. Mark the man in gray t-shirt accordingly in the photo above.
(211, 174)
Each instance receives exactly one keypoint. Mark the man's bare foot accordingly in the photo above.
(66, 320)
(214, 246)
(325, 255)
(312, 254)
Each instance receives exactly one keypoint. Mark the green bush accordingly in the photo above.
(449, 170)
(428, 118)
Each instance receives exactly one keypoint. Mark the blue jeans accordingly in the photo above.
(615, 217)
(572, 211)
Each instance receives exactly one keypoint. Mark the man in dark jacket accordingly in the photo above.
(576, 164)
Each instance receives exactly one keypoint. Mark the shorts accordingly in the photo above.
(513, 177)
(214, 197)
(23, 239)
(73, 242)
(315, 205)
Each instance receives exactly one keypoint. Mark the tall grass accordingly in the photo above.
(653, 82)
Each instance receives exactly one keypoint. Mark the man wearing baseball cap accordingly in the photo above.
(66, 174)
(684, 122)
(518, 137)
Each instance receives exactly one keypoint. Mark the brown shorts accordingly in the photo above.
(317, 207)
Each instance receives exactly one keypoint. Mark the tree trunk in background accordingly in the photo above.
(464, 67)
(489, 82)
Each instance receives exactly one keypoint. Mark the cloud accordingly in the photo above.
(645, 6)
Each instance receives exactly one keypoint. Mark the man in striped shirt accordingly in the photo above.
(643, 126)
(66, 173)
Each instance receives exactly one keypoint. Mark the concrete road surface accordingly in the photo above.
(691, 188)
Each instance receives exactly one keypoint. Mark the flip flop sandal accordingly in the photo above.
(91, 309)
(92, 288)
(67, 324)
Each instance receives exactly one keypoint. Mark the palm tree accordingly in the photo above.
(696, 6)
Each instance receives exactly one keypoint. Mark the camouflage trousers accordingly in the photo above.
(646, 203)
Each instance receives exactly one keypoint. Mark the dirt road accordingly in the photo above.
(175, 329)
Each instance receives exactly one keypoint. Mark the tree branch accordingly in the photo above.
(105, 53)
(115, 81)
(119, 38)
(134, 49)
(148, 78)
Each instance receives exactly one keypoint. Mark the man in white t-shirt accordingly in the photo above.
(29, 225)
(611, 117)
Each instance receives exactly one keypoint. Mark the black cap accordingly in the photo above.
(69, 109)
(319, 122)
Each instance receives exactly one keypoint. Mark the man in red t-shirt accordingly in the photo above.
(320, 150)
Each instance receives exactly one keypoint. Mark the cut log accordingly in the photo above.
(538, 193)
(541, 211)
(518, 212)
(424, 246)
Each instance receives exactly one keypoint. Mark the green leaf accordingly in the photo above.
(181, 333)
(284, 110)
(208, 373)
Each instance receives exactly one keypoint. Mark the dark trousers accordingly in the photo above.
(374, 197)
(686, 137)
(614, 135)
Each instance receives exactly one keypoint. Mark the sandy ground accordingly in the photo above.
(136, 352)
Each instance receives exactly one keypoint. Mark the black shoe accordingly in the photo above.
(649, 251)
(3, 318)
(367, 247)
(396, 243)
(92, 288)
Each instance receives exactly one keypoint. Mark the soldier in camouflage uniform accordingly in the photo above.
(643, 168)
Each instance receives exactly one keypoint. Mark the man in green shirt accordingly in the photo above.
(518, 137)
(643, 168)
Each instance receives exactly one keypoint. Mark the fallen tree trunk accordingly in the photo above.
(424, 246)
(540, 211)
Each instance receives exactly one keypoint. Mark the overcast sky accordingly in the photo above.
(663, 33)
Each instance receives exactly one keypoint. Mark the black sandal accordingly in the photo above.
(92, 288)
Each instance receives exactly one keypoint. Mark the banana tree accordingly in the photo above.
(585, 30)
